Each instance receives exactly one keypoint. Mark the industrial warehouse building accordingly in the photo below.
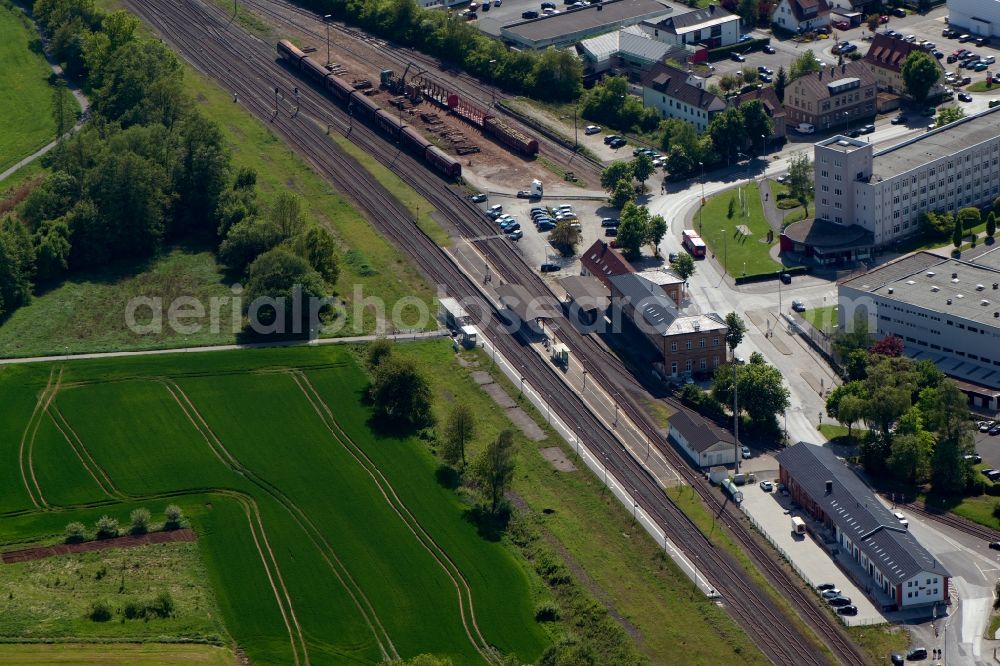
(711, 26)
(945, 310)
(885, 192)
(899, 570)
(574, 25)
(977, 17)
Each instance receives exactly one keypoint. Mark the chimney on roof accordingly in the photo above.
(829, 487)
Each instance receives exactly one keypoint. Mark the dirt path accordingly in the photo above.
(130, 541)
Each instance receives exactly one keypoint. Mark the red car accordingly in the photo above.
(883, 19)
(842, 25)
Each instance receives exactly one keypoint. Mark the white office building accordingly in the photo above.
(945, 310)
(886, 191)
(977, 17)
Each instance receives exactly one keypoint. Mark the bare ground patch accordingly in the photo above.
(129, 541)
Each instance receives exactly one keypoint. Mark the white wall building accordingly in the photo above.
(712, 26)
(945, 310)
(801, 15)
(677, 94)
(703, 442)
(886, 191)
(977, 17)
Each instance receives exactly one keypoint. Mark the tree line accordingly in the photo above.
(552, 74)
(148, 170)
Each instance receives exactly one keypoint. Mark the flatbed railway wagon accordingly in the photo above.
(359, 104)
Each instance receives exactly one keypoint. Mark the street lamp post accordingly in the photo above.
(326, 20)
(725, 253)
(701, 205)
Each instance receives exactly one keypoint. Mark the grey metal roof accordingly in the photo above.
(608, 15)
(630, 41)
(936, 144)
(673, 83)
(699, 18)
(700, 433)
(928, 281)
(587, 291)
(657, 309)
(856, 512)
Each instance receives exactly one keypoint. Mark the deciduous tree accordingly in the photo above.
(401, 394)
(684, 266)
(494, 469)
(800, 179)
(459, 431)
(920, 72)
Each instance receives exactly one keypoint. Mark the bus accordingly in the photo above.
(694, 244)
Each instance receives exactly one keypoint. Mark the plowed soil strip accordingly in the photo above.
(130, 541)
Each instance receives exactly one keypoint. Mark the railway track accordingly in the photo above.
(205, 36)
(397, 57)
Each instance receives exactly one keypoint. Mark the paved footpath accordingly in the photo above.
(397, 337)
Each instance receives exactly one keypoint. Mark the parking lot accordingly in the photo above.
(988, 446)
(772, 513)
(534, 245)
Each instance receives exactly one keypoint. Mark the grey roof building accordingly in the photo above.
(627, 51)
(897, 564)
(705, 443)
(574, 25)
(678, 94)
(711, 26)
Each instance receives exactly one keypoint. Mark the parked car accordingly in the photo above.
(786, 278)
(853, 133)
(984, 426)
(937, 54)
(837, 602)
(798, 305)
(766, 486)
(973, 458)
(987, 471)
(609, 222)
(899, 12)
(901, 518)
(964, 38)
(478, 198)
(848, 610)
(830, 593)
(550, 268)
(898, 120)
(517, 234)
(868, 129)
(611, 232)
(766, 78)
(736, 57)
(981, 66)
(768, 49)
(672, 257)
(805, 128)
(994, 545)
(745, 452)
(897, 659)
(995, 430)
(618, 143)
(591, 129)
(611, 137)
(964, 97)
(842, 25)
(822, 587)
(761, 69)
(980, 41)
(916, 654)
(883, 19)
(546, 226)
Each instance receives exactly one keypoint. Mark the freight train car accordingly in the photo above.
(509, 136)
(361, 104)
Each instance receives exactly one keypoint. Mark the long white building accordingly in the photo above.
(945, 310)
(886, 191)
(978, 17)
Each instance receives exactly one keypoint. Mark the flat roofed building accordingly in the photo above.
(975, 16)
(952, 167)
(710, 26)
(629, 51)
(899, 567)
(573, 25)
(945, 310)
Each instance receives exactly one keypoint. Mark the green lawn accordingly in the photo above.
(881, 640)
(979, 86)
(366, 549)
(51, 597)
(741, 255)
(823, 319)
(26, 121)
(123, 654)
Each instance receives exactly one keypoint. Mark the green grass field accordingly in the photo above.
(26, 121)
(125, 654)
(323, 541)
(741, 255)
(823, 319)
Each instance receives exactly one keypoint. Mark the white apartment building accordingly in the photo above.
(677, 94)
(886, 191)
(712, 26)
(945, 310)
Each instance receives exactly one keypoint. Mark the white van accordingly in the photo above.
(805, 128)
(798, 525)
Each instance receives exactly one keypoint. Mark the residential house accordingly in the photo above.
(801, 15)
(710, 26)
(898, 567)
(603, 262)
(677, 94)
(705, 443)
(834, 96)
(885, 59)
(775, 110)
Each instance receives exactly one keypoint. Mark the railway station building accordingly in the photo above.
(703, 442)
(896, 568)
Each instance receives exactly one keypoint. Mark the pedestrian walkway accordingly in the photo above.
(775, 216)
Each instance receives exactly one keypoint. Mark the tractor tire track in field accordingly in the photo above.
(336, 565)
(246, 501)
(465, 602)
(96, 472)
(31, 432)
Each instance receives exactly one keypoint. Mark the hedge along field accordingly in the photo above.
(340, 555)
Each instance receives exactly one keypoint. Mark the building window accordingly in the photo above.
(715, 341)
(673, 346)
(673, 367)
(687, 345)
(701, 343)
(687, 365)
(702, 365)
